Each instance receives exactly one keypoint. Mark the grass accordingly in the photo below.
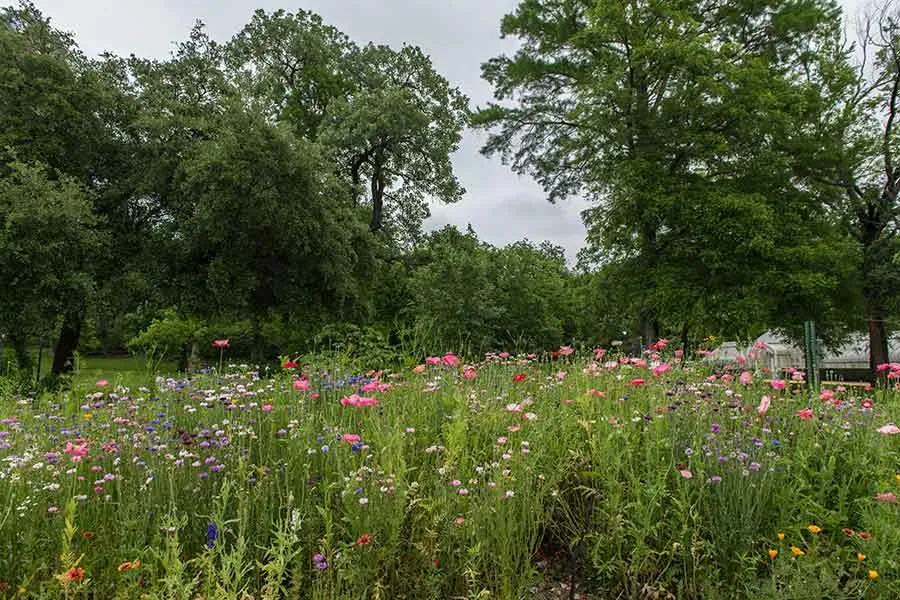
(511, 478)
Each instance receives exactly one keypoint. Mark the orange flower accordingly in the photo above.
(860, 556)
(814, 529)
(72, 574)
(128, 565)
(773, 553)
(848, 531)
(797, 551)
(781, 535)
(873, 574)
(88, 535)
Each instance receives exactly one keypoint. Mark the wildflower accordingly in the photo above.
(637, 381)
(73, 574)
(660, 369)
(350, 437)
(889, 429)
(848, 532)
(886, 497)
(212, 531)
(126, 566)
(864, 535)
(290, 364)
(101, 383)
(519, 377)
(715, 479)
(686, 474)
(873, 574)
(777, 384)
(814, 529)
(450, 359)
(746, 378)
(221, 344)
(433, 360)
(88, 535)
(566, 350)
(459, 521)
(773, 553)
(860, 556)
(469, 372)
(763, 407)
(267, 407)
(364, 540)
(806, 414)
(417, 369)
(781, 535)
(301, 384)
(797, 551)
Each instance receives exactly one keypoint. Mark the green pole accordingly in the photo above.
(811, 352)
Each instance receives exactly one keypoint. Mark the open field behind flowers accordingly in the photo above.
(563, 475)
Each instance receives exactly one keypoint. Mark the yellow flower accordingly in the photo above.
(88, 416)
(898, 477)
(813, 529)
(773, 553)
(860, 556)
(780, 535)
(873, 574)
(797, 551)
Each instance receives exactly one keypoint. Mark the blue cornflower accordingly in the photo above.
(211, 533)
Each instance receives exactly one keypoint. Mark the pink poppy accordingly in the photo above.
(889, 429)
(599, 353)
(778, 384)
(102, 383)
(805, 414)
(220, 344)
(419, 369)
(350, 437)
(301, 384)
(763, 407)
(450, 359)
(433, 360)
(687, 474)
(637, 381)
(660, 369)
(267, 407)
(826, 395)
(504, 355)
(566, 350)
(886, 497)
(746, 378)
(469, 372)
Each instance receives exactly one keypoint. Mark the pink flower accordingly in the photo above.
(659, 345)
(599, 353)
(419, 369)
(350, 437)
(566, 350)
(889, 429)
(596, 393)
(469, 372)
(866, 404)
(358, 401)
(763, 407)
(746, 378)
(370, 387)
(561, 375)
(504, 355)
(826, 394)
(740, 360)
(76, 451)
(778, 384)
(805, 414)
(450, 359)
(514, 408)
(301, 384)
(102, 383)
(687, 474)
(660, 369)
(637, 381)
(679, 353)
(290, 364)
(886, 497)
(267, 407)
(727, 378)
(433, 360)
(220, 344)
(501, 441)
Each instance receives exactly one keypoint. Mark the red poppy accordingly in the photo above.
(554, 354)
(364, 540)
(291, 364)
(220, 344)
(638, 381)
(519, 377)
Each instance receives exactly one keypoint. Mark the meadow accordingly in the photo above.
(571, 474)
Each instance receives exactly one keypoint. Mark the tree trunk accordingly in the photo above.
(378, 185)
(649, 327)
(64, 354)
(684, 344)
(23, 356)
(878, 337)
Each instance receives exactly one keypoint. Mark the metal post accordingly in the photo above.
(811, 350)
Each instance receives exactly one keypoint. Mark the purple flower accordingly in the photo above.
(754, 467)
(715, 428)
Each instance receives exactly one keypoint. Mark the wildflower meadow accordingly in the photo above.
(572, 474)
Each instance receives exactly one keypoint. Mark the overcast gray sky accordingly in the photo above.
(458, 34)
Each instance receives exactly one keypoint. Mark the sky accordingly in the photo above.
(459, 35)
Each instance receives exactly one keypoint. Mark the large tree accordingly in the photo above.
(664, 113)
(853, 160)
(390, 119)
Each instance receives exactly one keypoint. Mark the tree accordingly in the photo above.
(264, 228)
(389, 118)
(49, 237)
(655, 110)
(853, 160)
